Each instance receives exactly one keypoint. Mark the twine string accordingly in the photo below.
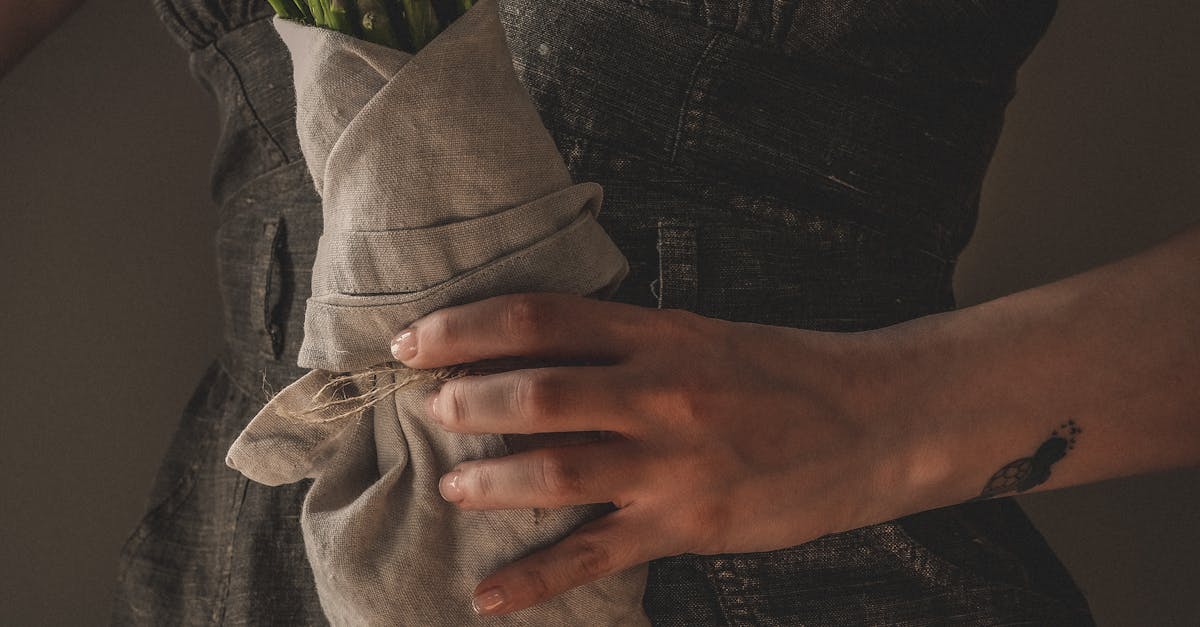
(344, 390)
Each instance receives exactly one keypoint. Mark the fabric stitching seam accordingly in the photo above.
(250, 104)
(218, 617)
(687, 96)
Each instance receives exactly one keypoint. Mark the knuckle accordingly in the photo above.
(454, 409)
(664, 393)
(637, 390)
(480, 483)
(689, 398)
(594, 555)
(538, 395)
(538, 584)
(654, 392)
(525, 316)
(438, 329)
(695, 394)
(675, 397)
(558, 477)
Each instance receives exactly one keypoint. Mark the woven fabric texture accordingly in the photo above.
(439, 186)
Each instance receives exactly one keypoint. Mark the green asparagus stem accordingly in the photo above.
(305, 13)
(446, 11)
(422, 22)
(340, 17)
(376, 24)
(318, 12)
(402, 24)
(285, 8)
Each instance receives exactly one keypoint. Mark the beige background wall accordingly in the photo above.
(110, 310)
(1100, 158)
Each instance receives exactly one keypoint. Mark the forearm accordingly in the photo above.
(1109, 360)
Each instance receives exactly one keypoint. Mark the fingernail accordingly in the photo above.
(432, 408)
(449, 487)
(489, 600)
(405, 345)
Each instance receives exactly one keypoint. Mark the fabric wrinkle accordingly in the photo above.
(421, 187)
(819, 169)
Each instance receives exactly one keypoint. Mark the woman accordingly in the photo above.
(767, 170)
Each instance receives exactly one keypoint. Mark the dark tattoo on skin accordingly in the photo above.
(1027, 472)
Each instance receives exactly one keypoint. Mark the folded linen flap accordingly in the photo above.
(440, 186)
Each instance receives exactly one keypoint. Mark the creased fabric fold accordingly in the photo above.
(440, 186)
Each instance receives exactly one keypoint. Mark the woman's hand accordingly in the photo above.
(731, 437)
(740, 437)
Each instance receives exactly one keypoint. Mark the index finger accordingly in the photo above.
(546, 325)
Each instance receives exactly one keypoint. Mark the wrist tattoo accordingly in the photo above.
(1027, 472)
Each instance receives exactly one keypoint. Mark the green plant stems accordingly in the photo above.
(402, 24)
(292, 9)
(285, 8)
(446, 11)
(422, 22)
(340, 17)
(305, 12)
(317, 11)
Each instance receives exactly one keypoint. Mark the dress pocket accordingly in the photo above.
(174, 568)
(267, 290)
(187, 454)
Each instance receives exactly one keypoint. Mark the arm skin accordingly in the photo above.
(738, 437)
(1115, 349)
(24, 24)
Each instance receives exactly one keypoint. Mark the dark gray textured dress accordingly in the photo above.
(805, 163)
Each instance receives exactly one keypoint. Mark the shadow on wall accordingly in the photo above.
(111, 311)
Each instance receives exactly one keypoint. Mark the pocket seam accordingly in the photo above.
(677, 285)
(183, 486)
(266, 291)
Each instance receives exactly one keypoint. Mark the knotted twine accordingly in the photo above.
(440, 186)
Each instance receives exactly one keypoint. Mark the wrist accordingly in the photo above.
(924, 388)
(890, 382)
(976, 389)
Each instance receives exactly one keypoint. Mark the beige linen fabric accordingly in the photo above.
(440, 186)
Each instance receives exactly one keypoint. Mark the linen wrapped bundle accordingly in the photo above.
(440, 186)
